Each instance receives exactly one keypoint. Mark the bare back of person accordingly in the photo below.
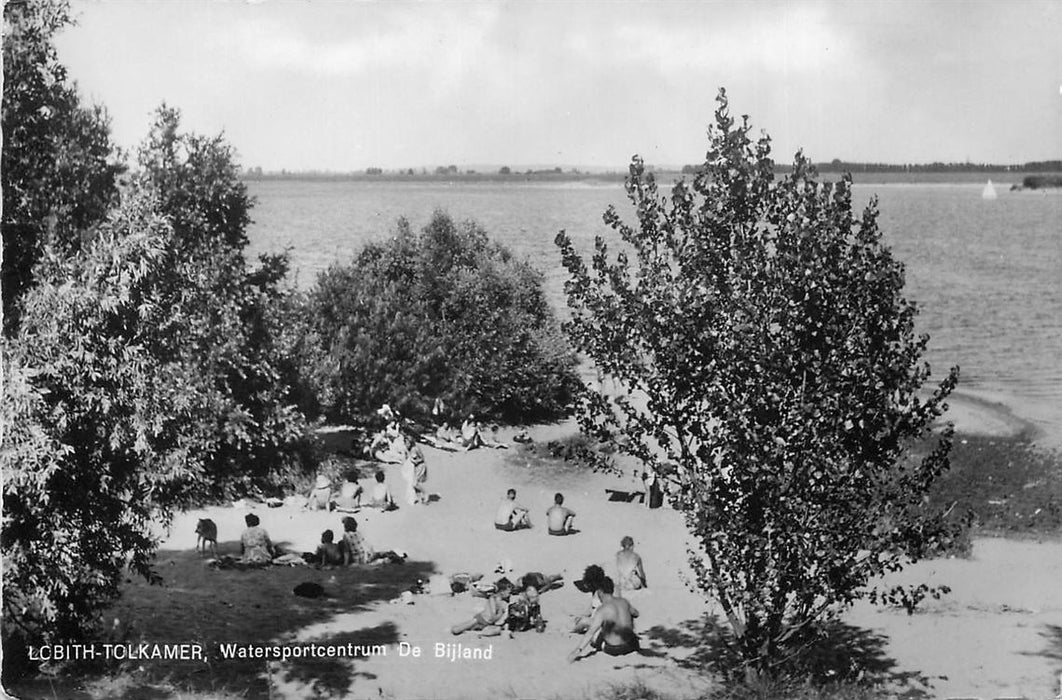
(629, 568)
(559, 520)
(617, 623)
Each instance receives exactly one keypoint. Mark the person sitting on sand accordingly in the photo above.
(380, 496)
(593, 575)
(470, 437)
(612, 626)
(443, 439)
(525, 611)
(389, 446)
(255, 545)
(349, 497)
(356, 550)
(320, 494)
(558, 518)
(511, 516)
(488, 622)
(328, 552)
(494, 441)
(631, 575)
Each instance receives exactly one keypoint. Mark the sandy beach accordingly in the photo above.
(999, 632)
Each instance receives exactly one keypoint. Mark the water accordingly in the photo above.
(987, 274)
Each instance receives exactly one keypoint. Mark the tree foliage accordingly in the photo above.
(96, 441)
(444, 314)
(152, 368)
(766, 360)
(59, 169)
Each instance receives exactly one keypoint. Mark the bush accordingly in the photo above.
(445, 314)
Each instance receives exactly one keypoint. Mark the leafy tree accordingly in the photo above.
(448, 314)
(766, 360)
(59, 169)
(230, 321)
(99, 435)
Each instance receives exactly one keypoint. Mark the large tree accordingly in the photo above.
(59, 170)
(766, 362)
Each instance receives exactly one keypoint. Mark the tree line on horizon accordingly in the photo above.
(452, 171)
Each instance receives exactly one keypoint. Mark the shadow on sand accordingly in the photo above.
(843, 654)
(198, 604)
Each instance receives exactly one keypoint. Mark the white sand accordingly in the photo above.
(999, 632)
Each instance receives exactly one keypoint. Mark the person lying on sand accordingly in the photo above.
(558, 518)
(328, 553)
(489, 621)
(380, 496)
(255, 545)
(357, 551)
(541, 582)
(511, 516)
(612, 626)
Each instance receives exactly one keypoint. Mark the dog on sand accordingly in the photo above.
(206, 533)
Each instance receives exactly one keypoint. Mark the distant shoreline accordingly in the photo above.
(999, 177)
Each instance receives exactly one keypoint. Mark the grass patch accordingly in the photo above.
(1010, 486)
(211, 607)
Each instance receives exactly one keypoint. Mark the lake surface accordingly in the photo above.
(987, 274)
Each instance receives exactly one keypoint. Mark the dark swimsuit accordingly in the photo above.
(629, 644)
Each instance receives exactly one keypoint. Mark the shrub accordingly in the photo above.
(762, 344)
(444, 314)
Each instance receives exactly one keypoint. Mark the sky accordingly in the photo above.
(344, 86)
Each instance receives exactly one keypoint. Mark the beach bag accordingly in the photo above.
(459, 583)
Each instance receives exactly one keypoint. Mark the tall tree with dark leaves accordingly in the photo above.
(59, 170)
(766, 363)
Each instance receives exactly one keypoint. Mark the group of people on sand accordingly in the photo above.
(352, 549)
(512, 516)
(257, 548)
(351, 497)
(608, 626)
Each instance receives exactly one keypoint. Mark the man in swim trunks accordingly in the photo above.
(558, 518)
(511, 516)
(612, 626)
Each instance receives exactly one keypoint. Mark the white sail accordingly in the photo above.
(989, 192)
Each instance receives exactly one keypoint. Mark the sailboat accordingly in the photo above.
(989, 192)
